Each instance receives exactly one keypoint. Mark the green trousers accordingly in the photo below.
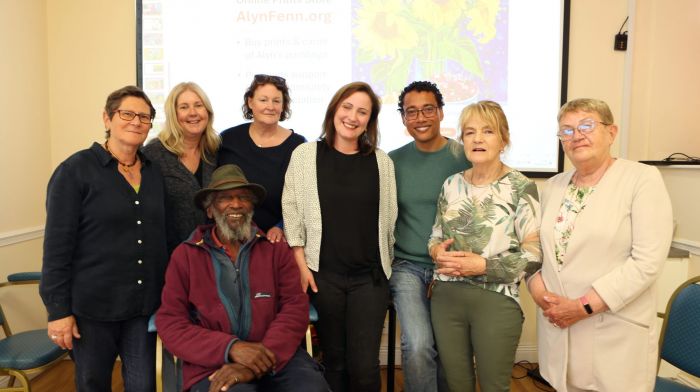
(474, 324)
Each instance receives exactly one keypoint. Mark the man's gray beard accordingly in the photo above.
(234, 232)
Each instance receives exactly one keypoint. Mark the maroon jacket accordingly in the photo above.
(193, 322)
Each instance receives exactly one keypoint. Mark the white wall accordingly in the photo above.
(24, 105)
(665, 90)
(24, 150)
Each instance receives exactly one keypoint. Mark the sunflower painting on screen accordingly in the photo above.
(462, 45)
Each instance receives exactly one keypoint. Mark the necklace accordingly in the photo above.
(488, 183)
(263, 139)
(261, 143)
(124, 165)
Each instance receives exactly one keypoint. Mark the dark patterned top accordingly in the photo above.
(180, 187)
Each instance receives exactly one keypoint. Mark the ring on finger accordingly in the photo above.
(54, 337)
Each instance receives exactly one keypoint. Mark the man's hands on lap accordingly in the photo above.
(229, 375)
(253, 356)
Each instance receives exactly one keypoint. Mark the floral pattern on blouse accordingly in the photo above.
(573, 203)
(499, 221)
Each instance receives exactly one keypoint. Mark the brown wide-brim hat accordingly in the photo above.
(228, 177)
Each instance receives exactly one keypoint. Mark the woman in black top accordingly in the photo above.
(343, 190)
(185, 151)
(105, 250)
(262, 147)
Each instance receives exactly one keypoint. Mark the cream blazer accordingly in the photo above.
(301, 208)
(619, 245)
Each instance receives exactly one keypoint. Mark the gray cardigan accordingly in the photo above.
(182, 215)
(301, 208)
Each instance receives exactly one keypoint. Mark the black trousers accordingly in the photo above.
(351, 312)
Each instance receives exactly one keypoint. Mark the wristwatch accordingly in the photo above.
(586, 305)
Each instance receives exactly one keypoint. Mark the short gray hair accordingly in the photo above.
(588, 105)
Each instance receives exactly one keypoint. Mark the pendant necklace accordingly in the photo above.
(124, 165)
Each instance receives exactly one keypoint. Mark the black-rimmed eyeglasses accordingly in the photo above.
(428, 111)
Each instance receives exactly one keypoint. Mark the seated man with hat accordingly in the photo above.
(232, 306)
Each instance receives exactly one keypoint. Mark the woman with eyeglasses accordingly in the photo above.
(606, 231)
(340, 209)
(105, 250)
(262, 147)
(485, 240)
(185, 151)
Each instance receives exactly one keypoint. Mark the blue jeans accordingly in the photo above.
(301, 374)
(419, 357)
(97, 349)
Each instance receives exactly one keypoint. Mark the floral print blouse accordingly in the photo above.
(574, 202)
(499, 221)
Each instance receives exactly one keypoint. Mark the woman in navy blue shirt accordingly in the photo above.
(262, 148)
(105, 250)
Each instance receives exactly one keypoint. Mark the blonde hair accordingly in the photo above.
(492, 114)
(172, 135)
(588, 105)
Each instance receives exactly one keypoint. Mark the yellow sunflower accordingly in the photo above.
(381, 30)
(482, 19)
(438, 13)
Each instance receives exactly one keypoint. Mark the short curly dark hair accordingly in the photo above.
(422, 85)
(260, 80)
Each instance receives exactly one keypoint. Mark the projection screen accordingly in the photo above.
(512, 52)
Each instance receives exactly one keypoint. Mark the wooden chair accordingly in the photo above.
(168, 366)
(26, 352)
(313, 317)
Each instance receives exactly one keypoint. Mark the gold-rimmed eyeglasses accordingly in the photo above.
(584, 127)
(128, 115)
(428, 111)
